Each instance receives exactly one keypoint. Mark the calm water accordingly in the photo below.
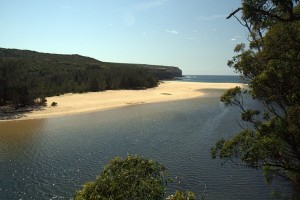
(51, 158)
(211, 78)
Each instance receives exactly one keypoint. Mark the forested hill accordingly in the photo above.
(26, 75)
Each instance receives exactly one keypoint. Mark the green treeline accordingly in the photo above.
(26, 76)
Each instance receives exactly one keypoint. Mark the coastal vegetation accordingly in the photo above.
(270, 141)
(271, 63)
(27, 77)
(130, 178)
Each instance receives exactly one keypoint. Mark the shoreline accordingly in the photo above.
(71, 104)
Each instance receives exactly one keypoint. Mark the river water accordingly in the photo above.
(52, 158)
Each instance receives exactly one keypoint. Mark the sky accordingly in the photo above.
(193, 35)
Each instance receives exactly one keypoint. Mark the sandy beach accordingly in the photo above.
(68, 104)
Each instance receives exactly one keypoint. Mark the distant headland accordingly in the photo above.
(28, 76)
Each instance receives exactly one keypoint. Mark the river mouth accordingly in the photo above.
(52, 158)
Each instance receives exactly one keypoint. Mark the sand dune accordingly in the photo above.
(68, 104)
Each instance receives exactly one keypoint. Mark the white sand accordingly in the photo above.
(68, 104)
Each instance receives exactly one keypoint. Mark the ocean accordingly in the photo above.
(211, 78)
(52, 158)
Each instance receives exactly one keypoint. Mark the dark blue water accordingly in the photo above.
(211, 78)
(52, 158)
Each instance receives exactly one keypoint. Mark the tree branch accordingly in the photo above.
(233, 13)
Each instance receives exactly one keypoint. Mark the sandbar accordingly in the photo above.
(69, 104)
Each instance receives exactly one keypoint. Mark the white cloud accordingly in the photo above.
(236, 38)
(171, 31)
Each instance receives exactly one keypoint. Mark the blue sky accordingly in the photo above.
(190, 34)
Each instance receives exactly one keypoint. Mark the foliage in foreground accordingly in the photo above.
(180, 195)
(271, 141)
(130, 178)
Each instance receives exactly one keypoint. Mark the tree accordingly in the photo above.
(132, 178)
(180, 195)
(271, 65)
(129, 178)
(17, 87)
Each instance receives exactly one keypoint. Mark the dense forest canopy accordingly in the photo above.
(28, 75)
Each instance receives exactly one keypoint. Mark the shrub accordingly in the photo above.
(129, 178)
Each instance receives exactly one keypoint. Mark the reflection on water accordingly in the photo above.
(19, 143)
(17, 138)
(51, 158)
